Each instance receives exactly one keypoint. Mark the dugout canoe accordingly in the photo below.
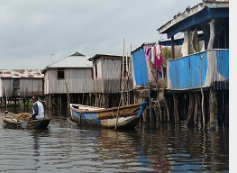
(120, 117)
(21, 121)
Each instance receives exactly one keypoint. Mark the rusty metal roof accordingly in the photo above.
(21, 73)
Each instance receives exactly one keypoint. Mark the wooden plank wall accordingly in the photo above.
(28, 87)
(78, 81)
(108, 75)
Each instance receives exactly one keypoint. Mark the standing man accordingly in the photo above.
(38, 109)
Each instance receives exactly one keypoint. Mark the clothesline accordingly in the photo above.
(154, 55)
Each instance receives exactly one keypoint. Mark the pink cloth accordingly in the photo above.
(158, 56)
(147, 50)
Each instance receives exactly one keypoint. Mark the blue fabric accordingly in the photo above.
(140, 69)
(142, 107)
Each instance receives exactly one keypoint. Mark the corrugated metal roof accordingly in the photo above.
(104, 55)
(216, 0)
(21, 73)
(191, 11)
(75, 60)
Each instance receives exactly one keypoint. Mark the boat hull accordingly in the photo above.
(107, 118)
(33, 124)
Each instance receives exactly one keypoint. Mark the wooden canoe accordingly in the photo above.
(128, 116)
(20, 121)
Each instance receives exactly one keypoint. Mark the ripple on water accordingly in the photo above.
(67, 148)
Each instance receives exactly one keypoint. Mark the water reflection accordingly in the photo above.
(65, 147)
(37, 135)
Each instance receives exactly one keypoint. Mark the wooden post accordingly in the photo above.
(176, 109)
(97, 100)
(4, 101)
(195, 116)
(173, 49)
(144, 114)
(68, 95)
(90, 102)
(227, 108)
(190, 109)
(60, 101)
(212, 108)
(166, 106)
(49, 102)
(15, 104)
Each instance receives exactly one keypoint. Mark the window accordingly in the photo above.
(60, 74)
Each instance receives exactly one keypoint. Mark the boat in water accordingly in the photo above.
(23, 121)
(116, 117)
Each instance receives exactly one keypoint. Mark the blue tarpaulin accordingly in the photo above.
(140, 68)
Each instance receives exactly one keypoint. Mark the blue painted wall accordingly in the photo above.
(140, 68)
(223, 63)
(184, 73)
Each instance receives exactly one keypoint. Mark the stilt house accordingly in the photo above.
(21, 83)
(203, 70)
(72, 75)
(107, 74)
(211, 17)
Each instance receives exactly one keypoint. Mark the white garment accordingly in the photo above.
(158, 51)
(152, 55)
(40, 110)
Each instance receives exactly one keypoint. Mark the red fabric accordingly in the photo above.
(158, 56)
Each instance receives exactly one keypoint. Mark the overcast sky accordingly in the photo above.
(32, 30)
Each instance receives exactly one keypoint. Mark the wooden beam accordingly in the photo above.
(172, 45)
(176, 108)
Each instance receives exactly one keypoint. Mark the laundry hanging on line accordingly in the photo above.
(154, 54)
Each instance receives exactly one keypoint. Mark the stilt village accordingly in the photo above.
(181, 78)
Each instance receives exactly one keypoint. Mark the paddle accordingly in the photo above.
(25, 124)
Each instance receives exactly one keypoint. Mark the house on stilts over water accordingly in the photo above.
(21, 84)
(198, 82)
(109, 78)
(69, 80)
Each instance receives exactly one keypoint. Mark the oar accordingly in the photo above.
(25, 124)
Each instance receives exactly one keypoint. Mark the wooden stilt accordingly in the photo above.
(4, 101)
(49, 102)
(195, 116)
(90, 101)
(99, 100)
(190, 109)
(150, 103)
(144, 114)
(176, 110)
(60, 102)
(203, 108)
(15, 104)
(222, 107)
(227, 108)
(68, 95)
(212, 108)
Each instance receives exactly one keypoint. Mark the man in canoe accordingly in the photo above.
(38, 109)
